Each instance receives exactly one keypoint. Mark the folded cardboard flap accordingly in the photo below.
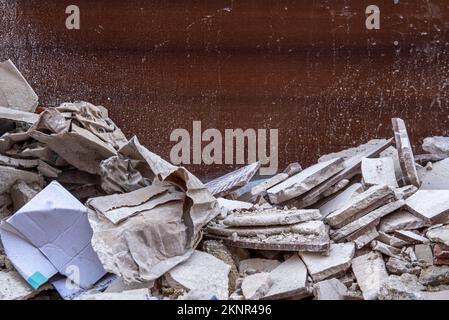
(51, 234)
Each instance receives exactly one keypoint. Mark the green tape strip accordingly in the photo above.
(36, 280)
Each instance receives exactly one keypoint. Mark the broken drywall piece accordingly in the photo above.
(201, 272)
(361, 204)
(289, 280)
(385, 249)
(301, 203)
(257, 265)
(270, 217)
(256, 286)
(430, 205)
(379, 171)
(370, 273)
(436, 145)
(366, 238)
(439, 235)
(406, 158)
(269, 183)
(231, 205)
(51, 234)
(410, 237)
(401, 220)
(222, 186)
(15, 92)
(340, 200)
(437, 178)
(405, 192)
(321, 267)
(305, 181)
(17, 115)
(314, 228)
(331, 289)
(352, 168)
(366, 222)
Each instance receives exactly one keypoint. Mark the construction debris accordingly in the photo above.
(379, 171)
(88, 214)
(406, 157)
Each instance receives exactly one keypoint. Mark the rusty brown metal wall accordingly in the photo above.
(309, 68)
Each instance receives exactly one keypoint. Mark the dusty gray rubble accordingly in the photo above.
(363, 223)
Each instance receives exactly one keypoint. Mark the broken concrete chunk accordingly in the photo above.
(269, 183)
(256, 286)
(424, 253)
(201, 272)
(258, 265)
(9, 176)
(366, 238)
(15, 92)
(331, 289)
(368, 221)
(405, 287)
(410, 237)
(379, 171)
(375, 196)
(437, 178)
(337, 262)
(436, 145)
(406, 158)
(272, 217)
(370, 273)
(439, 235)
(222, 186)
(305, 180)
(399, 266)
(289, 280)
(340, 200)
(434, 276)
(430, 205)
(401, 220)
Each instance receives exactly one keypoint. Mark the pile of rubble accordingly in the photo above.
(88, 214)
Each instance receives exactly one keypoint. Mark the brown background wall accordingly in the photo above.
(309, 68)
